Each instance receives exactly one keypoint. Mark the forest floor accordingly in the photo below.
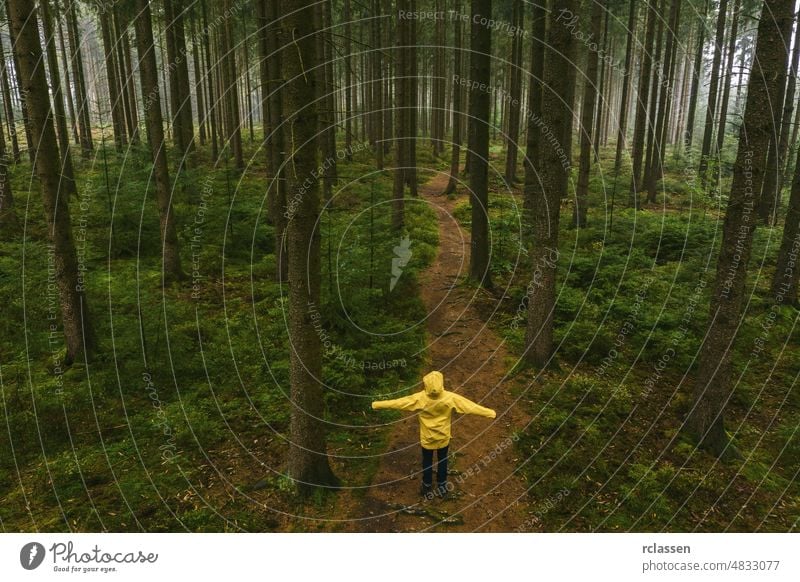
(489, 489)
(592, 443)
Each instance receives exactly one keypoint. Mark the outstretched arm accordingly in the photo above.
(466, 406)
(405, 403)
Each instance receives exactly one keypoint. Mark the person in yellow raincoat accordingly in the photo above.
(435, 406)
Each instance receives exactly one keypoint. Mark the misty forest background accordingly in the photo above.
(201, 206)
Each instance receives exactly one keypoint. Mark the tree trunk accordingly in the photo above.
(7, 104)
(708, 132)
(67, 171)
(263, 31)
(248, 87)
(713, 390)
(642, 113)
(388, 120)
(515, 95)
(587, 122)
(19, 96)
(437, 83)
(231, 91)
(532, 191)
(623, 108)
(376, 85)
(787, 268)
(84, 122)
(792, 143)
(123, 78)
(197, 88)
(664, 104)
(611, 91)
(786, 124)
(770, 192)
(78, 334)
(363, 102)
(441, 105)
(117, 116)
(155, 136)
(177, 66)
(173, 87)
(402, 104)
(326, 109)
(272, 41)
(131, 104)
(478, 141)
(349, 92)
(413, 108)
(680, 122)
(555, 125)
(220, 86)
(655, 90)
(308, 461)
(602, 104)
(744, 49)
(423, 97)
(211, 73)
(67, 82)
(458, 101)
(8, 220)
(726, 87)
(795, 125)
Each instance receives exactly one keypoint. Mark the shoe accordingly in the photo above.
(426, 491)
(442, 491)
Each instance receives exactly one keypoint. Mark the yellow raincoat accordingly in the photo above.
(435, 406)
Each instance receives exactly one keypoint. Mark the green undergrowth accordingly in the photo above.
(631, 311)
(180, 419)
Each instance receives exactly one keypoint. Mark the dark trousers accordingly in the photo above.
(441, 467)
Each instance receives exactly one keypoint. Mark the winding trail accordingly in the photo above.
(474, 362)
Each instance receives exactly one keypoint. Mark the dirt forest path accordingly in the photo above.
(489, 495)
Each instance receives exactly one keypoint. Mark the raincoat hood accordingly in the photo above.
(434, 384)
(435, 406)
